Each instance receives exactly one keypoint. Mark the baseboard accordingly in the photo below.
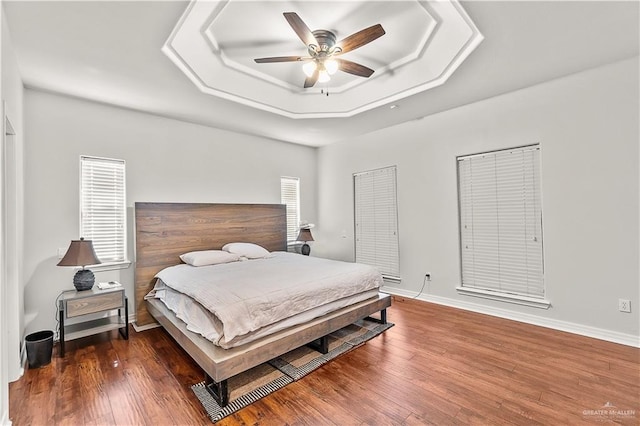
(16, 373)
(583, 330)
(139, 328)
(23, 358)
(4, 419)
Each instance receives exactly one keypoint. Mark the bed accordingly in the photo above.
(164, 231)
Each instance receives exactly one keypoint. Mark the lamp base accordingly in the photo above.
(84, 280)
(305, 249)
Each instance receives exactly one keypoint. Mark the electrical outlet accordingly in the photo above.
(427, 276)
(624, 305)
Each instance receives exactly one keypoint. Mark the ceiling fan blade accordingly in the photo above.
(310, 81)
(354, 68)
(300, 28)
(279, 59)
(361, 38)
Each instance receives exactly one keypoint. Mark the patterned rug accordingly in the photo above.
(250, 386)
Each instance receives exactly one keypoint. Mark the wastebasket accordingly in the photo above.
(39, 348)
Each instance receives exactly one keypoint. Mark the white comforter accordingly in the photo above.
(246, 296)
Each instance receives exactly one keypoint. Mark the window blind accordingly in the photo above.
(103, 207)
(376, 220)
(501, 221)
(290, 196)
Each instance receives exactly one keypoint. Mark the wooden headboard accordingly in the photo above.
(164, 231)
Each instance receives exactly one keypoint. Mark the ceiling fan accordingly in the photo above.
(323, 50)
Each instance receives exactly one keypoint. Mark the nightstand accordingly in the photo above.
(80, 303)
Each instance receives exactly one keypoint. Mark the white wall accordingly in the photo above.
(11, 280)
(12, 95)
(4, 374)
(587, 125)
(166, 161)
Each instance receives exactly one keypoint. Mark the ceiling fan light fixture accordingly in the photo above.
(323, 76)
(321, 46)
(309, 68)
(331, 65)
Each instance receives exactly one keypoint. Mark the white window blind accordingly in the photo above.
(103, 207)
(376, 220)
(290, 196)
(501, 222)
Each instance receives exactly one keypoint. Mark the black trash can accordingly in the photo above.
(39, 348)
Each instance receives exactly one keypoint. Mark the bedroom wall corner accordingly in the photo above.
(4, 374)
(587, 124)
(167, 160)
(12, 281)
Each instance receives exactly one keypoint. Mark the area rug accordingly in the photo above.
(260, 381)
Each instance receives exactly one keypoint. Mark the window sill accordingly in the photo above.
(391, 280)
(111, 266)
(505, 297)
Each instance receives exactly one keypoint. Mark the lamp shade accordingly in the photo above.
(309, 68)
(305, 235)
(323, 76)
(331, 65)
(80, 253)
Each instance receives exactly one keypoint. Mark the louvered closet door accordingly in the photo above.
(376, 220)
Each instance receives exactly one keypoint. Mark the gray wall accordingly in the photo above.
(167, 161)
(587, 125)
(11, 302)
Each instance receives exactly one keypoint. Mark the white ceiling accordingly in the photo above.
(425, 42)
(111, 52)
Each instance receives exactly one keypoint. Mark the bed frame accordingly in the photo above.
(164, 231)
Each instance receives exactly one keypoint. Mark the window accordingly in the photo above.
(501, 225)
(376, 220)
(290, 196)
(103, 207)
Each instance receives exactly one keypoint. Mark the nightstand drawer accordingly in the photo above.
(93, 304)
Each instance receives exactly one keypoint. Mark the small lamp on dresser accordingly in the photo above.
(81, 253)
(305, 236)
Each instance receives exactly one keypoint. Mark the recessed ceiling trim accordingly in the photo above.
(195, 79)
(447, 36)
(206, 27)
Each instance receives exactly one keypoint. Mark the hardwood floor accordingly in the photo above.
(438, 365)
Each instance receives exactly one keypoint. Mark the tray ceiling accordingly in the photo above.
(111, 52)
(214, 44)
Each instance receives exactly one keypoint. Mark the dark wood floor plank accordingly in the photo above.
(290, 408)
(437, 365)
(126, 409)
(148, 395)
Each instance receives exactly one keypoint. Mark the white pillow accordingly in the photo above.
(208, 257)
(248, 250)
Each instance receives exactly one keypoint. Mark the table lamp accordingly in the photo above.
(304, 236)
(81, 253)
